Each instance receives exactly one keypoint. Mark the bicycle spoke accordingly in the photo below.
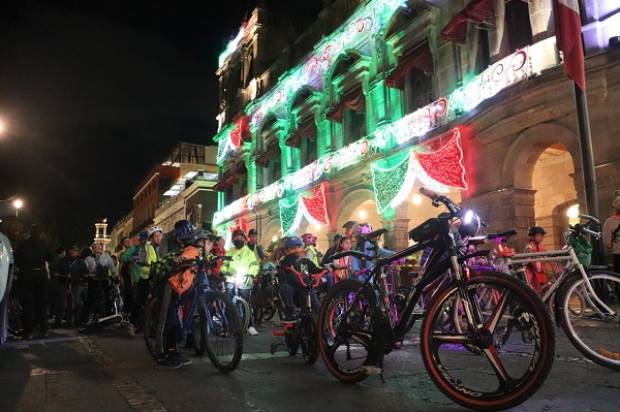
(497, 365)
(500, 308)
(452, 339)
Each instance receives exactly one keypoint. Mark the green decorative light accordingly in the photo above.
(290, 218)
(392, 180)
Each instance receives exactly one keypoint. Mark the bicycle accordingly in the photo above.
(584, 301)
(209, 315)
(301, 332)
(365, 329)
(242, 305)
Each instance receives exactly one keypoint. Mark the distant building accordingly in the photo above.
(178, 188)
(101, 233)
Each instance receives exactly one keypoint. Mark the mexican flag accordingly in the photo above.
(568, 34)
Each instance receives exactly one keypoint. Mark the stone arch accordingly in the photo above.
(521, 157)
(270, 228)
(542, 166)
(351, 201)
(341, 61)
(306, 91)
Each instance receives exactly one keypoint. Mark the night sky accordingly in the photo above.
(96, 93)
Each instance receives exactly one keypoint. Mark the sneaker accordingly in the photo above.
(177, 356)
(170, 362)
(131, 329)
(252, 331)
(371, 370)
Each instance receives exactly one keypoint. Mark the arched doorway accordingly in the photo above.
(555, 192)
(358, 205)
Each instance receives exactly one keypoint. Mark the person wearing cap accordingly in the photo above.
(141, 257)
(536, 271)
(310, 247)
(241, 270)
(292, 291)
(254, 247)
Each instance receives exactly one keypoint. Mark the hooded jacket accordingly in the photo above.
(243, 263)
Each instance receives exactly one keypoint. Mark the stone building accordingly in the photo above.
(378, 98)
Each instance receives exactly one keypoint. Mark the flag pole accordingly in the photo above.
(587, 165)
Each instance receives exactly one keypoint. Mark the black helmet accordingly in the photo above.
(184, 229)
(534, 230)
(204, 235)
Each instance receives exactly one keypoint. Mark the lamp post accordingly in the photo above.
(17, 204)
(3, 127)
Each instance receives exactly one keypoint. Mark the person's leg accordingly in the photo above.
(41, 293)
(26, 297)
(245, 294)
(288, 295)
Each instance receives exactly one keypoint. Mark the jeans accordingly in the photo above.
(78, 298)
(244, 293)
(58, 304)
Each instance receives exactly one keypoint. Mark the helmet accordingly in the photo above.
(365, 229)
(154, 229)
(183, 229)
(204, 235)
(535, 230)
(470, 224)
(293, 242)
(252, 232)
(143, 235)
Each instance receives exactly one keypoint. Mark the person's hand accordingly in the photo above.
(179, 259)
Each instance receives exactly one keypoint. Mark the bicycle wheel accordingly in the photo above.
(153, 335)
(224, 336)
(244, 311)
(269, 305)
(594, 332)
(500, 378)
(309, 340)
(343, 339)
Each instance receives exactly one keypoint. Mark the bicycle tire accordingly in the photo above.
(150, 331)
(309, 340)
(563, 298)
(536, 373)
(325, 324)
(244, 311)
(235, 331)
(269, 304)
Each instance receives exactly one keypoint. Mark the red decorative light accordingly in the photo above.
(445, 165)
(316, 204)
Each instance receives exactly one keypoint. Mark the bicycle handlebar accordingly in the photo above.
(301, 277)
(453, 208)
(355, 253)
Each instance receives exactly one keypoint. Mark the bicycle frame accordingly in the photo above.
(574, 265)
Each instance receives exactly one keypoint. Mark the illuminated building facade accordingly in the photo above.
(378, 98)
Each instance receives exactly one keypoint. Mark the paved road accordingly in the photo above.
(112, 372)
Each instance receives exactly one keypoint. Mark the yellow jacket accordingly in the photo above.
(243, 263)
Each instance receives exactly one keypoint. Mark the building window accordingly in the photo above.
(483, 52)
(308, 151)
(354, 125)
(272, 172)
(517, 23)
(418, 90)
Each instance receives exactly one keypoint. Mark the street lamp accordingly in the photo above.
(2, 127)
(18, 204)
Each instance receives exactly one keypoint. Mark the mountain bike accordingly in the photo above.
(356, 328)
(208, 314)
(243, 306)
(584, 300)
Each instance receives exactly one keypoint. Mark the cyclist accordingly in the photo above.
(292, 291)
(173, 242)
(252, 244)
(141, 257)
(363, 268)
(536, 271)
(241, 270)
(100, 268)
(155, 237)
(310, 247)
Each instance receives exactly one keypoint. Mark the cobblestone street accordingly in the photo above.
(112, 372)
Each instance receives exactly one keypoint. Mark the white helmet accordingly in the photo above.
(154, 229)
